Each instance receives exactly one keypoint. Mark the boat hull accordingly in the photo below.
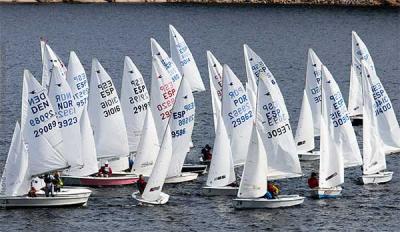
(196, 168)
(74, 197)
(325, 193)
(140, 201)
(184, 177)
(378, 178)
(93, 181)
(356, 120)
(309, 156)
(263, 203)
(220, 191)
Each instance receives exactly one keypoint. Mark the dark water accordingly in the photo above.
(280, 35)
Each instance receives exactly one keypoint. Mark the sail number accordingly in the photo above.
(140, 108)
(67, 122)
(45, 128)
(177, 133)
(242, 119)
(42, 118)
(279, 131)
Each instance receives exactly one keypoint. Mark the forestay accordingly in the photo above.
(148, 148)
(15, 180)
(254, 67)
(49, 60)
(215, 75)
(39, 128)
(135, 100)
(160, 170)
(183, 58)
(237, 114)
(221, 172)
(65, 108)
(387, 124)
(254, 178)
(181, 124)
(106, 115)
(373, 146)
(276, 133)
(77, 80)
(359, 52)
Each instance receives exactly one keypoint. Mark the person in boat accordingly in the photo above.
(32, 192)
(273, 189)
(313, 180)
(130, 163)
(57, 182)
(105, 170)
(49, 186)
(206, 151)
(141, 184)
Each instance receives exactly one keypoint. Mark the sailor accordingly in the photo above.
(141, 184)
(49, 187)
(57, 182)
(313, 180)
(105, 171)
(32, 192)
(273, 189)
(206, 151)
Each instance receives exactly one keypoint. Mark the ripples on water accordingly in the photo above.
(280, 35)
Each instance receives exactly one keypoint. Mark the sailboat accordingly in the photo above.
(181, 123)
(237, 114)
(215, 72)
(109, 129)
(359, 52)
(253, 185)
(36, 149)
(221, 173)
(338, 143)
(310, 114)
(183, 58)
(135, 100)
(374, 158)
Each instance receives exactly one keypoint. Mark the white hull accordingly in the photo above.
(68, 197)
(197, 168)
(378, 178)
(220, 191)
(68, 191)
(263, 203)
(138, 198)
(309, 156)
(184, 177)
(392, 151)
(323, 193)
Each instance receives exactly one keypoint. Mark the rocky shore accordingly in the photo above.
(393, 3)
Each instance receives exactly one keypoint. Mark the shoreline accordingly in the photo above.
(350, 3)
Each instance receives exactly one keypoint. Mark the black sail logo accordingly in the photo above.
(331, 176)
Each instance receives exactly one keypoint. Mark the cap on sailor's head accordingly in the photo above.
(106, 163)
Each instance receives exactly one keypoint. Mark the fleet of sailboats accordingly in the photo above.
(65, 126)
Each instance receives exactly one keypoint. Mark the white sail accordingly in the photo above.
(181, 124)
(135, 100)
(15, 181)
(183, 58)
(331, 164)
(374, 159)
(387, 126)
(254, 67)
(170, 66)
(39, 128)
(238, 115)
(359, 53)
(252, 95)
(62, 99)
(160, 170)
(221, 172)
(106, 115)
(215, 75)
(254, 178)
(50, 59)
(163, 93)
(78, 82)
(305, 127)
(276, 133)
(148, 147)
